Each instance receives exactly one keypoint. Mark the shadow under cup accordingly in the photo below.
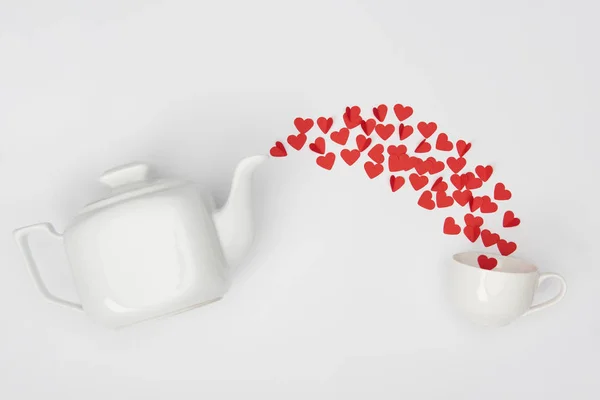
(499, 296)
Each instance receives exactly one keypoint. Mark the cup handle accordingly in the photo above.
(22, 237)
(555, 299)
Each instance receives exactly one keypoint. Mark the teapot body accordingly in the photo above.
(147, 257)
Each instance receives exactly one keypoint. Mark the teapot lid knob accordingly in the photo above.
(126, 174)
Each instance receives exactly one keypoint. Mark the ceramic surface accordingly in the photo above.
(153, 247)
(499, 296)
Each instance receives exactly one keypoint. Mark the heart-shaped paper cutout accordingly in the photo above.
(326, 161)
(401, 149)
(399, 162)
(434, 166)
(509, 220)
(352, 117)
(456, 164)
(297, 141)
(318, 146)
(462, 197)
(385, 131)
(488, 238)
(423, 147)
(341, 136)
(405, 131)
(396, 182)
(363, 142)
(501, 193)
(451, 227)
(373, 170)
(376, 153)
(443, 200)
(368, 125)
(462, 147)
(418, 182)
(325, 124)
(380, 112)
(402, 112)
(303, 125)
(471, 220)
(442, 143)
(506, 248)
(427, 128)
(487, 263)
(350, 156)
(426, 200)
(488, 206)
(457, 181)
(278, 150)
(475, 203)
(439, 185)
(484, 173)
(472, 232)
(471, 181)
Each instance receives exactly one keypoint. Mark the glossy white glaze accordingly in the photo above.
(499, 296)
(153, 247)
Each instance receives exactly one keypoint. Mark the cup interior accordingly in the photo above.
(505, 264)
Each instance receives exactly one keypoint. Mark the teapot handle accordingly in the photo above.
(22, 237)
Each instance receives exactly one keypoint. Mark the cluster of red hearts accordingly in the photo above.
(420, 168)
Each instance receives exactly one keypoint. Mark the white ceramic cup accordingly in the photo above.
(499, 296)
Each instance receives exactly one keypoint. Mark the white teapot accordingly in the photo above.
(153, 247)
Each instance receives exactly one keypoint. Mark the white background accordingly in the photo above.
(343, 295)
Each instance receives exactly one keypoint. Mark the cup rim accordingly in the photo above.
(499, 256)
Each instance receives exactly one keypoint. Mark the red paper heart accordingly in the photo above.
(484, 173)
(418, 182)
(352, 117)
(443, 200)
(350, 156)
(421, 166)
(402, 112)
(451, 227)
(405, 131)
(456, 164)
(362, 142)
(472, 232)
(442, 143)
(278, 150)
(380, 112)
(501, 193)
(457, 181)
(341, 136)
(435, 167)
(423, 147)
(471, 181)
(396, 182)
(325, 124)
(462, 147)
(471, 220)
(297, 141)
(368, 125)
(318, 146)
(475, 203)
(463, 198)
(326, 161)
(401, 149)
(509, 220)
(376, 153)
(385, 131)
(487, 263)
(439, 185)
(399, 162)
(427, 128)
(506, 248)
(373, 170)
(488, 238)
(488, 206)
(303, 125)
(426, 200)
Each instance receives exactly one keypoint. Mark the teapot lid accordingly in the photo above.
(128, 181)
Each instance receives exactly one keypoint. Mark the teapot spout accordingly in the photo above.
(234, 221)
